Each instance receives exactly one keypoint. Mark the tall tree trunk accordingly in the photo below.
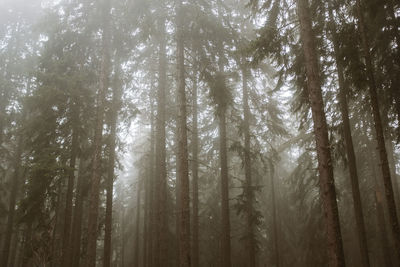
(146, 221)
(27, 243)
(54, 250)
(76, 233)
(115, 107)
(251, 246)
(226, 226)
(14, 249)
(223, 157)
(149, 191)
(351, 157)
(379, 131)
(182, 153)
(136, 252)
(161, 246)
(393, 174)
(327, 183)
(66, 237)
(13, 199)
(123, 240)
(109, 194)
(274, 215)
(380, 216)
(96, 164)
(195, 176)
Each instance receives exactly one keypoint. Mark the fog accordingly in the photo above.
(199, 133)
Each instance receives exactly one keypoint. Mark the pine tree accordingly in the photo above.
(325, 168)
(160, 257)
(183, 200)
(353, 173)
(379, 130)
(247, 166)
(97, 151)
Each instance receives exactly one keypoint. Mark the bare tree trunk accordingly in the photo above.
(327, 183)
(123, 240)
(379, 132)
(75, 244)
(226, 226)
(146, 221)
(136, 252)
(223, 157)
(96, 168)
(392, 165)
(182, 155)
(247, 167)
(380, 216)
(274, 215)
(14, 249)
(149, 191)
(109, 194)
(351, 157)
(115, 107)
(27, 243)
(66, 238)
(161, 245)
(54, 247)
(195, 176)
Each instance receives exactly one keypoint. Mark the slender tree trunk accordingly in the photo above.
(195, 177)
(327, 183)
(14, 249)
(351, 157)
(66, 238)
(27, 244)
(13, 199)
(109, 194)
(226, 226)
(247, 168)
(55, 239)
(274, 215)
(182, 147)
(380, 216)
(122, 236)
(136, 252)
(116, 103)
(161, 245)
(146, 222)
(75, 244)
(384, 241)
(149, 192)
(379, 132)
(223, 157)
(96, 168)
(393, 174)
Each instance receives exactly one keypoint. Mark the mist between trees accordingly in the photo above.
(162, 133)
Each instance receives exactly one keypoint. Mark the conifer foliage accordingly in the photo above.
(199, 133)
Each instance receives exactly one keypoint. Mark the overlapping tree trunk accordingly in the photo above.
(183, 199)
(351, 157)
(325, 168)
(389, 194)
(97, 151)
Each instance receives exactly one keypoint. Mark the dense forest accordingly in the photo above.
(218, 133)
